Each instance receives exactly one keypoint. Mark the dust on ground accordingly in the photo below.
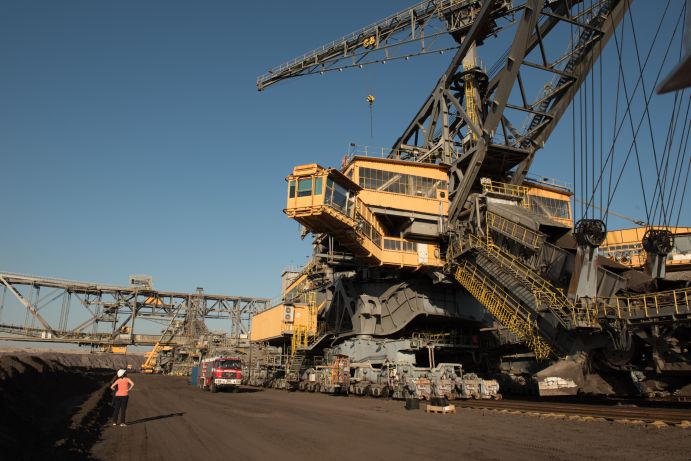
(171, 420)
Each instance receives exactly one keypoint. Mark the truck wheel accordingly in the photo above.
(213, 387)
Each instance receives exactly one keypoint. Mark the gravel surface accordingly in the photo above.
(171, 420)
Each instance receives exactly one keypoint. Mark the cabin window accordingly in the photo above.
(336, 195)
(305, 187)
(317, 185)
(410, 247)
(291, 192)
(370, 232)
(550, 206)
(399, 183)
(394, 245)
(682, 244)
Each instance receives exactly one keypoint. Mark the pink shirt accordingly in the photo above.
(123, 386)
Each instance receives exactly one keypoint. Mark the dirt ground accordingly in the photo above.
(52, 404)
(171, 420)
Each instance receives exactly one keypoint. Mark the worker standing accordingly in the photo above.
(122, 386)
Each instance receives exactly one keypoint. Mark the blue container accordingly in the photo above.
(194, 375)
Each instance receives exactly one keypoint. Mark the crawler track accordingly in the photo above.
(609, 412)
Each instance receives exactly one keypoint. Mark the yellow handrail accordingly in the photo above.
(506, 189)
(503, 307)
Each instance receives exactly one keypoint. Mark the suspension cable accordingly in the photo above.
(679, 164)
(618, 126)
(669, 143)
(663, 213)
(634, 133)
(642, 118)
(688, 165)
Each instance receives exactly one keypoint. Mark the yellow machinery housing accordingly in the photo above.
(389, 212)
(279, 321)
(625, 247)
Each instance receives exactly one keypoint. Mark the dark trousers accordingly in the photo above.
(120, 407)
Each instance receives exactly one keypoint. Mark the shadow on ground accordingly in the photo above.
(154, 418)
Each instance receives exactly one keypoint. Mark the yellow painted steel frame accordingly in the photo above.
(358, 227)
(299, 339)
(505, 189)
(641, 307)
(625, 245)
(514, 230)
(500, 304)
(524, 192)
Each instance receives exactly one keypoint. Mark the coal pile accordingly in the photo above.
(54, 405)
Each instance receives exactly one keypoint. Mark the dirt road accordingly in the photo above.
(171, 420)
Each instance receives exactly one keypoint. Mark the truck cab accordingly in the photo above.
(218, 373)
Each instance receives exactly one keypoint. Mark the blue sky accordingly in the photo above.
(134, 141)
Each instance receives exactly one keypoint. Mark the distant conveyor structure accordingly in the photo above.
(86, 313)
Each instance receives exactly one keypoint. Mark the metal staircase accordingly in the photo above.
(294, 366)
(547, 297)
(508, 310)
(539, 314)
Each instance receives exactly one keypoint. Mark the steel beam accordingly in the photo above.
(116, 306)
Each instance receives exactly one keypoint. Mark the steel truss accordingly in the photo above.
(500, 140)
(111, 315)
(498, 149)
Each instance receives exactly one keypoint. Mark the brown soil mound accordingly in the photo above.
(53, 405)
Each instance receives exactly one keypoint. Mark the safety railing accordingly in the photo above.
(312, 311)
(515, 231)
(587, 312)
(506, 190)
(641, 307)
(368, 227)
(361, 234)
(454, 250)
(503, 307)
(545, 293)
(551, 182)
(299, 339)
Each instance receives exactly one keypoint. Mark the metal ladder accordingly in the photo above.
(294, 366)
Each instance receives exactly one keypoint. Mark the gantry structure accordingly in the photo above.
(67, 311)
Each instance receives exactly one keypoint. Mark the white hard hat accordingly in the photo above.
(121, 373)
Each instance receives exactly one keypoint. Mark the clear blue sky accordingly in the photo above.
(133, 139)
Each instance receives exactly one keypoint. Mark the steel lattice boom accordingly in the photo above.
(86, 313)
(420, 25)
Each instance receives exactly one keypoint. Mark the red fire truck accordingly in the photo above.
(220, 372)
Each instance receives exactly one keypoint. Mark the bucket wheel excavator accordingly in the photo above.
(447, 232)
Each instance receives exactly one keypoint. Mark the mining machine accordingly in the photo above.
(447, 232)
